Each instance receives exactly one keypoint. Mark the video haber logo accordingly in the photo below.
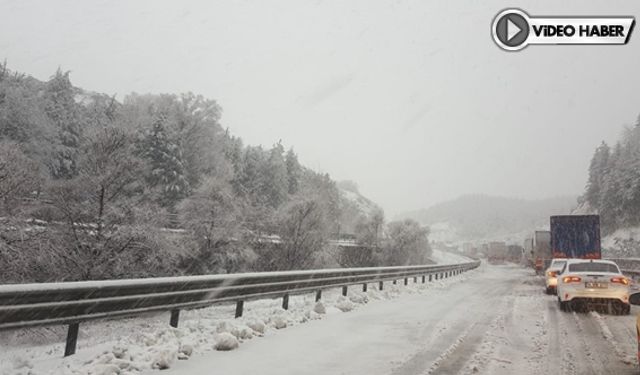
(513, 30)
(585, 30)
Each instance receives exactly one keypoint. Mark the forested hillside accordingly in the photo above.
(613, 187)
(92, 187)
(613, 192)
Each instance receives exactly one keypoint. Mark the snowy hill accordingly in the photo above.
(354, 206)
(476, 217)
(360, 202)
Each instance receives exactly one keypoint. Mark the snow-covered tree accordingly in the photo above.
(294, 171)
(407, 243)
(597, 171)
(213, 219)
(303, 231)
(167, 171)
(62, 111)
(19, 178)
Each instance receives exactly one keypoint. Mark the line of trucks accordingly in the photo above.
(570, 236)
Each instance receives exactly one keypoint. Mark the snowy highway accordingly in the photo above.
(498, 321)
(491, 320)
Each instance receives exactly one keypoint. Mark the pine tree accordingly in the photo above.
(597, 171)
(62, 111)
(275, 180)
(167, 169)
(630, 173)
(294, 170)
(610, 201)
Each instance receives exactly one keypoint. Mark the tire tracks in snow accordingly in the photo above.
(453, 338)
(584, 344)
(509, 346)
(559, 354)
(620, 349)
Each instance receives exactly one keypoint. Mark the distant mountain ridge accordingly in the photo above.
(473, 217)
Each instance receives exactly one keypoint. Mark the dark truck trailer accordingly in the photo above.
(575, 236)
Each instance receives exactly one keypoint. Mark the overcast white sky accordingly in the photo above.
(410, 99)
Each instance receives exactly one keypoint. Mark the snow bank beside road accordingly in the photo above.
(132, 346)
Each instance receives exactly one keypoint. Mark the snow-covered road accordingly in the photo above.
(497, 322)
(492, 320)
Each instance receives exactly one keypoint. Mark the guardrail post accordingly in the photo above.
(239, 308)
(424, 279)
(344, 290)
(406, 280)
(429, 277)
(415, 279)
(364, 287)
(285, 302)
(395, 282)
(381, 285)
(318, 295)
(175, 317)
(72, 339)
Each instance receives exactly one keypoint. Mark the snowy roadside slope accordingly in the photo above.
(446, 257)
(609, 241)
(363, 204)
(132, 346)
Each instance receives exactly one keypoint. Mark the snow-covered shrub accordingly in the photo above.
(257, 326)
(226, 341)
(319, 308)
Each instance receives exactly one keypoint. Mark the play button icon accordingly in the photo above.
(510, 29)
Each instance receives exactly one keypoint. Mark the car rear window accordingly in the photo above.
(593, 267)
(558, 263)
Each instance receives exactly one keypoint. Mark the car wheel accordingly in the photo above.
(626, 309)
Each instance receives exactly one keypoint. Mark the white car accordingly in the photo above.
(593, 283)
(551, 279)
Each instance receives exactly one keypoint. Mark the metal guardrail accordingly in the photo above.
(629, 266)
(29, 305)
